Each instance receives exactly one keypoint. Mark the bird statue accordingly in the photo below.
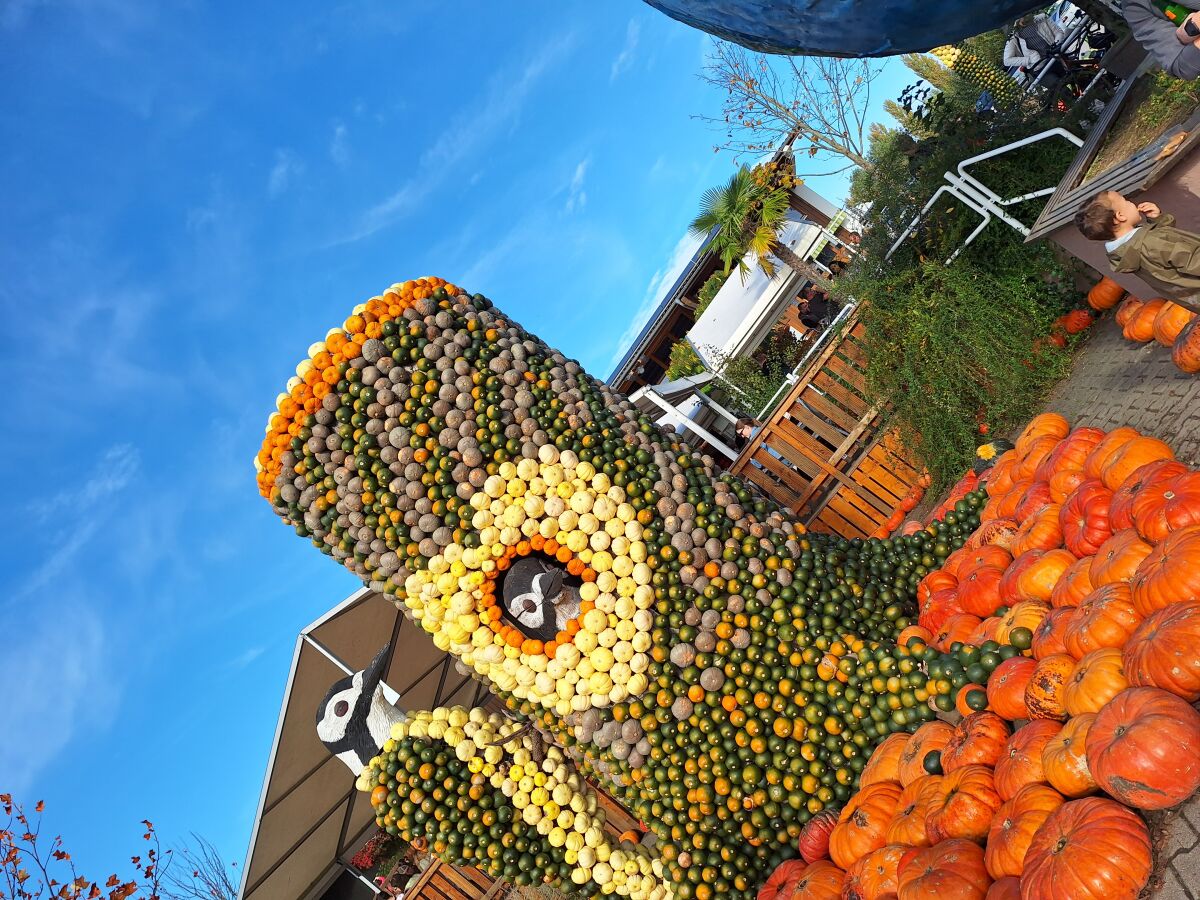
(458, 465)
(843, 27)
(532, 588)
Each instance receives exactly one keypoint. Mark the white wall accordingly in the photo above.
(739, 308)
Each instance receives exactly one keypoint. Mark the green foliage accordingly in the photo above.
(684, 361)
(948, 347)
(1169, 96)
(757, 377)
(709, 290)
(747, 214)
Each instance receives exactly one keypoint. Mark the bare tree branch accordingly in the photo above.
(814, 101)
(200, 873)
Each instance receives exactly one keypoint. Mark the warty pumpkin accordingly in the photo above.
(1170, 573)
(929, 737)
(1118, 558)
(978, 739)
(1044, 693)
(874, 876)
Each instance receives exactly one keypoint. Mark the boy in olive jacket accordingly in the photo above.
(1141, 240)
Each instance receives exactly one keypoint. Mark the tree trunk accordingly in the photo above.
(786, 256)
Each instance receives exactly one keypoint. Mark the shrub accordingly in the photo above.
(709, 290)
(684, 361)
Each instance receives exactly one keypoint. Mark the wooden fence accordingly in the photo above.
(825, 453)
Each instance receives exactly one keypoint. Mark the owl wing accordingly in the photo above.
(549, 584)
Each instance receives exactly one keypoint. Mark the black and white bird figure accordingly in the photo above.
(532, 590)
(355, 718)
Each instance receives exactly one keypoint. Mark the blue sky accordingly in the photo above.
(193, 193)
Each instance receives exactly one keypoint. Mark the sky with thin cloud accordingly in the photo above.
(194, 193)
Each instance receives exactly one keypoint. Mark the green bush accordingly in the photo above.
(948, 347)
(709, 290)
(757, 378)
(684, 361)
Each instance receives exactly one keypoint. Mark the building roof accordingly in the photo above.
(310, 817)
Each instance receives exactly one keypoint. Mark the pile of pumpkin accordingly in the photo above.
(1076, 605)
(1158, 320)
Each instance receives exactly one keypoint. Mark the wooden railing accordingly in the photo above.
(825, 453)
(445, 882)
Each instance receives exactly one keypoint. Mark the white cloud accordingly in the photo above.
(286, 169)
(576, 195)
(625, 58)
(111, 474)
(54, 687)
(660, 282)
(498, 112)
(339, 146)
(246, 657)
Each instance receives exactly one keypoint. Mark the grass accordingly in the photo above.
(1157, 103)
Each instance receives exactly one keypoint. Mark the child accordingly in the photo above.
(1141, 240)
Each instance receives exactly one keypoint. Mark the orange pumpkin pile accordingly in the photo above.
(1165, 323)
(1087, 566)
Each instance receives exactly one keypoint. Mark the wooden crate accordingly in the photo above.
(825, 453)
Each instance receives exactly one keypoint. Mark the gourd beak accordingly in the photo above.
(373, 673)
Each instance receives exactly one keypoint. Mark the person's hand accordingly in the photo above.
(1149, 210)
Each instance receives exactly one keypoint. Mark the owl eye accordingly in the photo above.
(341, 708)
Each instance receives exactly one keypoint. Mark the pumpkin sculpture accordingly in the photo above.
(1021, 763)
(1164, 652)
(1064, 758)
(1013, 828)
(1142, 748)
(950, 870)
(1089, 849)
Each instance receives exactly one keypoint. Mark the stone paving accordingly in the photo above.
(1115, 382)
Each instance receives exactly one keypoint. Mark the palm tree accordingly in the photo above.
(746, 216)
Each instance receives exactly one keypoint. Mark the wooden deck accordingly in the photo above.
(825, 453)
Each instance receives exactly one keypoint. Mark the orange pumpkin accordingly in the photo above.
(1099, 676)
(813, 843)
(951, 870)
(884, 764)
(1118, 558)
(862, 823)
(1131, 457)
(940, 606)
(1034, 498)
(908, 824)
(821, 881)
(963, 806)
(1170, 573)
(782, 881)
(1026, 614)
(1006, 687)
(1033, 575)
(978, 739)
(957, 629)
(1064, 758)
(1083, 519)
(1048, 424)
(1166, 505)
(1164, 652)
(1038, 450)
(1113, 442)
(1105, 619)
(1139, 327)
(874, 876)
(1128, 309)
(979, 591)
(1071, 454)
(1063, 484)
(1142, 748)
(1044, 693)
(1074, 585)
(1120, 514)
(1014, 825)
(1105, 294)
(1042, 530)
(970, 698)
(986, 631)
(1050, 636)
(1089, 849)
(1000, 478)
(1021, 762)
(996, 532)
(1186, 351)
(1170, 321)
(914, 632)
(1007, 888)
(1005, 506)
(929, 737)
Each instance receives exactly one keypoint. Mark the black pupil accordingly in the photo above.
(341, 708)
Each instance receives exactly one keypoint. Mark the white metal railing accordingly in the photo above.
(974, 194)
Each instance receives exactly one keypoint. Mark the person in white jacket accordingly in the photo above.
(1032, 42)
